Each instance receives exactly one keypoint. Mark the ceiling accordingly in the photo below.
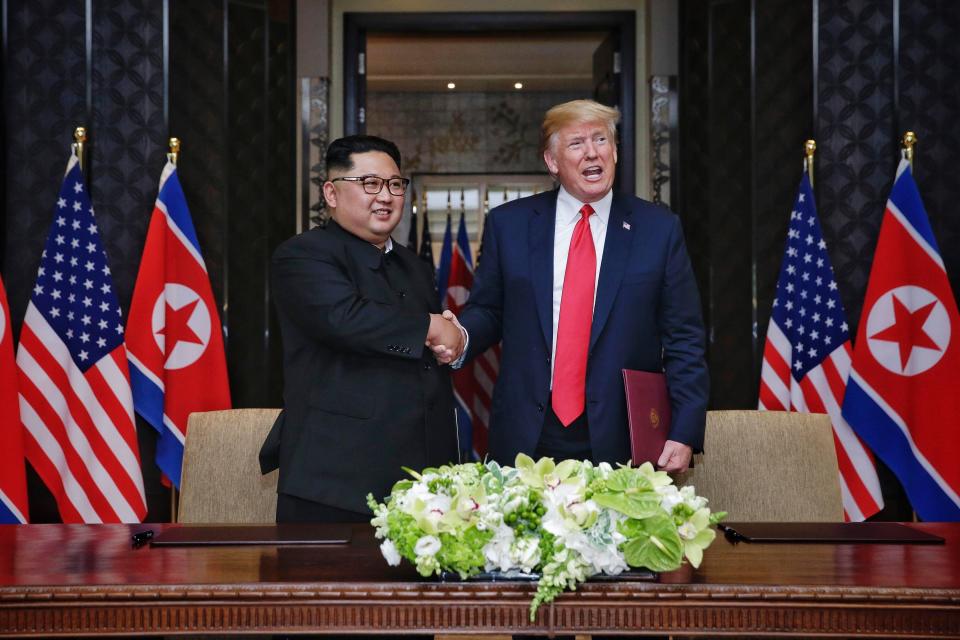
(481, 62)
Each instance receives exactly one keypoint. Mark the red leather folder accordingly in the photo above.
(648, 414)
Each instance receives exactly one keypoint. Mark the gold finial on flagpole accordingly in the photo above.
(80, 136)
(809, 148)
(174, 151)
(909, 139)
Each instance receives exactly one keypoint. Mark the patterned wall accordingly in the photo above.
(463, 132)
(749, 67)
(229, 95)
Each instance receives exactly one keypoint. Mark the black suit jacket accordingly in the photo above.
(362, 395)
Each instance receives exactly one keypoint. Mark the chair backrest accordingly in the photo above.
(221, 479)
(768, 466)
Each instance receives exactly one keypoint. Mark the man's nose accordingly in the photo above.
(385, 195)
(591, 150)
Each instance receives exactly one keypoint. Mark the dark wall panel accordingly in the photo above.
(45, 99)
(247, 201)
(730, 184)
(228, 89)
(197, 107)
(852, 74)
(857, 142)
(783, 95)
(127, 135)
(929, 104)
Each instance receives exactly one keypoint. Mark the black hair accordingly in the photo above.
(340, 150)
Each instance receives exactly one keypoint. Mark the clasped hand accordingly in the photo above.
(445, 337)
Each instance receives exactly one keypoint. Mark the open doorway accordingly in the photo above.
(463, 96)
(397, 67)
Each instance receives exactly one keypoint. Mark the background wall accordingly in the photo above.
(492, 132)
(216, 73)
(757, 79)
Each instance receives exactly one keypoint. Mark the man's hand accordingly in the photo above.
(445, 337)
(675, 457)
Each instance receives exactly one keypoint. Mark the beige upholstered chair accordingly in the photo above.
(221, 479)
(768, 466)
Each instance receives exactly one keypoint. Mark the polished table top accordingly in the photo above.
(45, 570)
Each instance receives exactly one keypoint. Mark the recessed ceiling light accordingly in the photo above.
(451, 85)
(518, 85)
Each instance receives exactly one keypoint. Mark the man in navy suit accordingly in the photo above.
(580, 283)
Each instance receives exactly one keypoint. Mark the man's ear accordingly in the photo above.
(330, 194)
(551, 162)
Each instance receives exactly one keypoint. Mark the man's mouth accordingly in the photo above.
(592, 173)
(382, 213)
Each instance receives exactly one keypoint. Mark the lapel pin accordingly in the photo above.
(626, 225)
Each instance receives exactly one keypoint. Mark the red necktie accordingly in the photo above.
(576, 315)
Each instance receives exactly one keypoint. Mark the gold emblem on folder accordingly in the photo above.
(654, 418)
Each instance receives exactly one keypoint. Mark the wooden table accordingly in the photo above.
(87, 580)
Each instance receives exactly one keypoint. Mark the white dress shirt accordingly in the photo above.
(568, 215)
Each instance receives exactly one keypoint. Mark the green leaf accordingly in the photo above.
(633, 505)
(655, 546)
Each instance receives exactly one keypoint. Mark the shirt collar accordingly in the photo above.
(568, 207)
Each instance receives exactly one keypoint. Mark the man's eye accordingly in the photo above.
(371, 182)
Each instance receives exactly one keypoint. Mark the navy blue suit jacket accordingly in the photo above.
(647, 316)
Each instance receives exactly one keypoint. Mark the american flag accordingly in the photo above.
(806, 360)
(75, 399)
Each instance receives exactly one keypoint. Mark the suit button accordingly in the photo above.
(401, 293)
(540, 407)
(426, 366)
(548, 359)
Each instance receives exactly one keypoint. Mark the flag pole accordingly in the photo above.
(174, 151)
(174, 502)
(909, 139)
(80, 136)
(809, 148)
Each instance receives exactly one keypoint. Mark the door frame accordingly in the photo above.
(622, 23)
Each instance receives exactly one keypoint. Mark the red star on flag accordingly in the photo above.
(177, 327)
(907, 329)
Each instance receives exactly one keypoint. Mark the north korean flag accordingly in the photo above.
(902, 396)
(174, 337)
(13, 481)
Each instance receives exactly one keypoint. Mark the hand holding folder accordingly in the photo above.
(648, 414)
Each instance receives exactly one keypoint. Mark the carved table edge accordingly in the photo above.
(406, 594)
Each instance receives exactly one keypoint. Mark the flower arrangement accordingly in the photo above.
(565, 521)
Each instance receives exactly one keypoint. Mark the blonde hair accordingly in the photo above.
(576, 112)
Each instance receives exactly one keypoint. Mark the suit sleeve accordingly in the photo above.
(681, 326)
(318, 296)
(483, 316)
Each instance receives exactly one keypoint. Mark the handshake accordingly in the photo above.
(445, 337)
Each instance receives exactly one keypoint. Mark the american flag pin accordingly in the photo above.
(626, 225)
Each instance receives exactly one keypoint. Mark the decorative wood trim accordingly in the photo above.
(437, 608)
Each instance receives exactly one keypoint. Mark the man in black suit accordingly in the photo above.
(362, 394)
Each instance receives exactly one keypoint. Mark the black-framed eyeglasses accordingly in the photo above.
(374, 184)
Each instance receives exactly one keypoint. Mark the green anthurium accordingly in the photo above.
(629, 493)
(655, 546)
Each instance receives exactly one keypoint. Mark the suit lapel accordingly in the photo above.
(540, 239)
(616, 250)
